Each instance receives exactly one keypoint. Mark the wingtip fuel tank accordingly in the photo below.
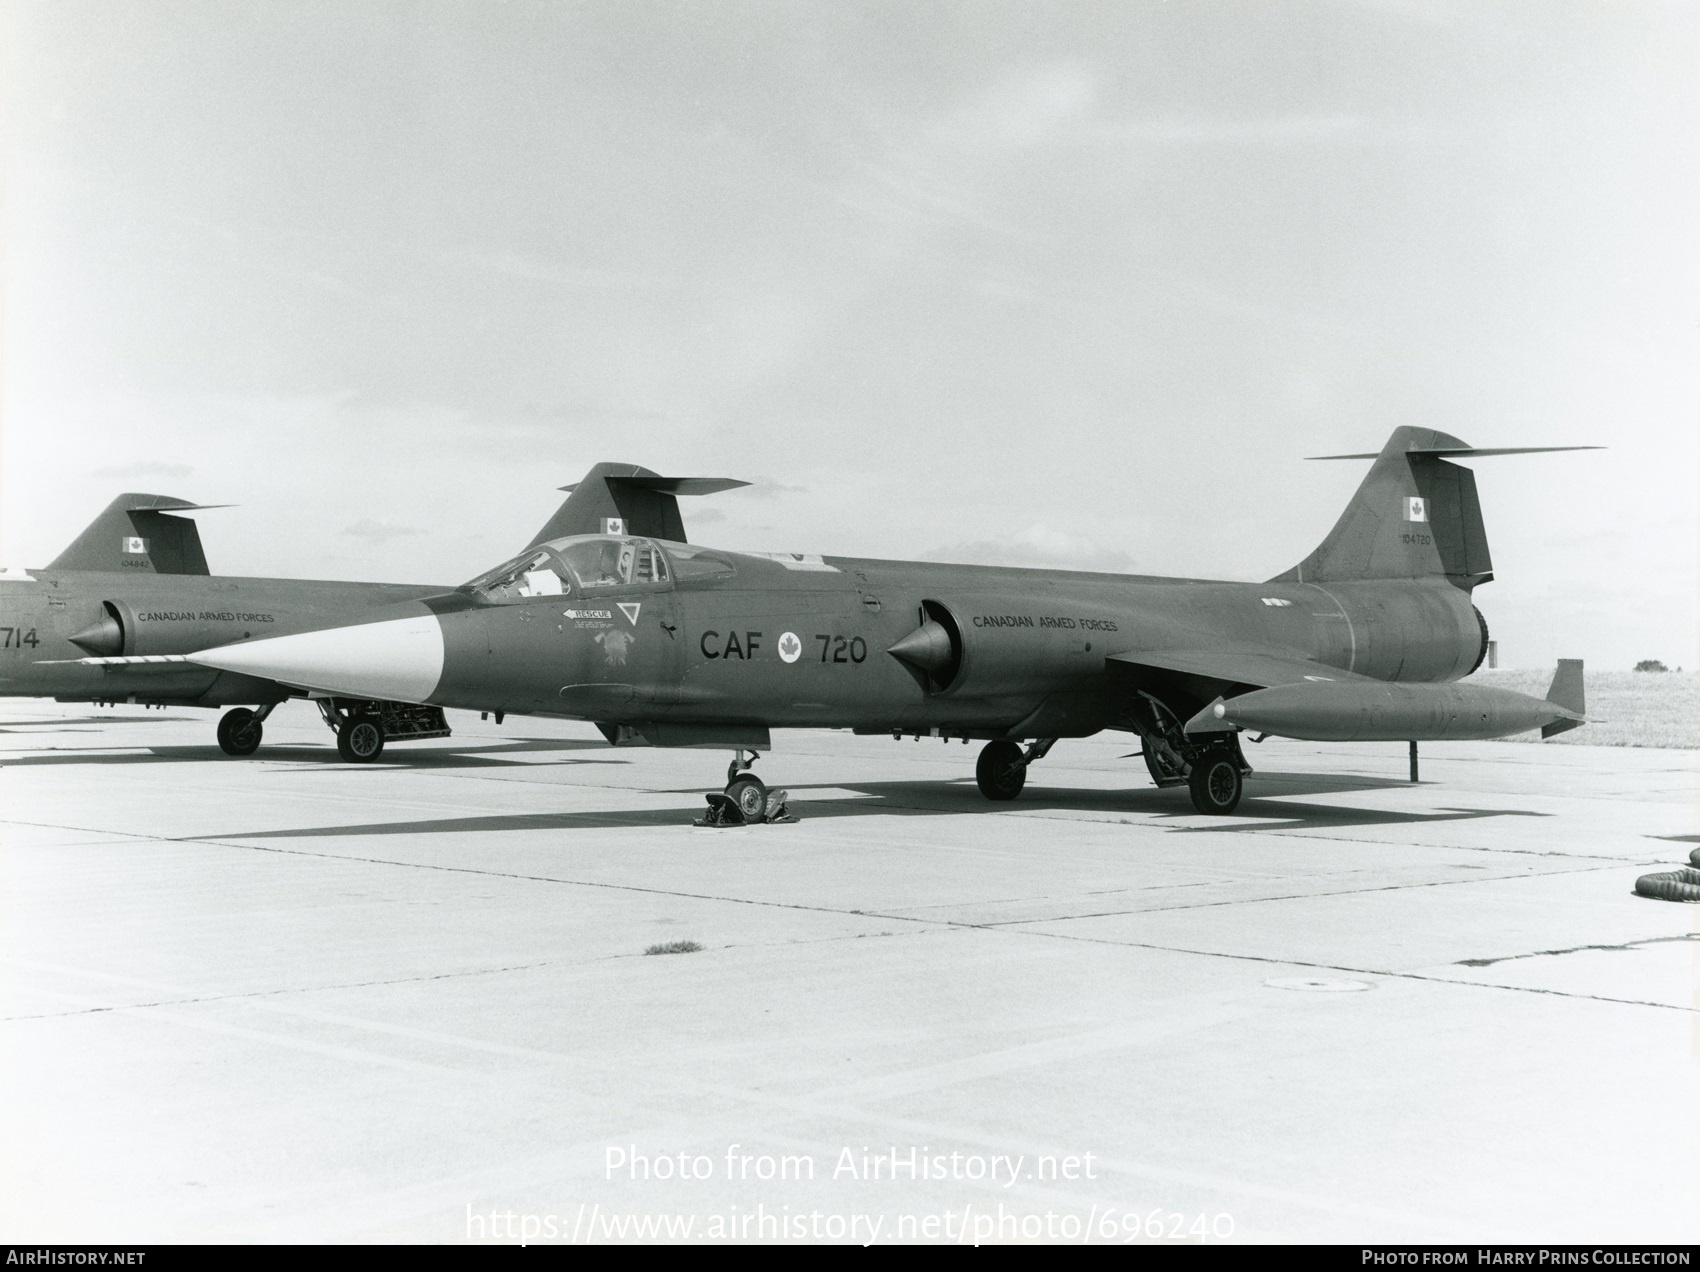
(1376, 711)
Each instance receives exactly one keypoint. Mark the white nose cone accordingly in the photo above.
(400, 659)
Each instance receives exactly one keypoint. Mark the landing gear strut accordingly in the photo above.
(1213, 771)
(239, 732)
(1001, 770)
(359, 734)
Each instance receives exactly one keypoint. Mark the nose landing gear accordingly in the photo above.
(360, 739)
(240, 731)
(746, 801)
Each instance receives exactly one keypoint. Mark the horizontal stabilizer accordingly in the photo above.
(1239, 666)
(1465, 452)
(671, 485)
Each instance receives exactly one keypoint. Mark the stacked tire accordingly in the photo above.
(1681, 884)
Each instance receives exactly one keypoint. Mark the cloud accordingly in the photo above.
(146, 468)
(1038, 545)
(708, 516)
(1019, 112)
(1273, 129)
(592, 413)
(380, 531)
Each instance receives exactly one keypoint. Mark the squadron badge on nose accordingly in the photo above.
(614, 644)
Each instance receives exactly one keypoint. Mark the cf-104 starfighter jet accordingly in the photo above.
(134, 591)
(665, 643)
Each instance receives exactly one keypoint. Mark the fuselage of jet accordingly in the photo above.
(718, 640)
(161, 614)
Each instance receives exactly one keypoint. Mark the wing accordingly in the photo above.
(1240, 665)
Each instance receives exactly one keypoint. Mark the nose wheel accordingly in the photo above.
(360, 739)
(746, 801)
(748, 794)
(240, 731)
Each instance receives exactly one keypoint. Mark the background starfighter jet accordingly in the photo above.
(108, 619)
(671, 644)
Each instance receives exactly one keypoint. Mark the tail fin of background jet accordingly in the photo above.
(626, 499)
(1415, 516)
(1566, 691)
(135, 534)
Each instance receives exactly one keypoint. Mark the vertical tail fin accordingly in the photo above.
(1566, 691)
(1415, 516)
(134, 534)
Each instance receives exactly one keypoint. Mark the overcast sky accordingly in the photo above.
(1042, 283)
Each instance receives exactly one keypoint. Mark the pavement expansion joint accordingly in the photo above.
(333, 987)
(1392, 974)
(1306, 896)
(1578, 949)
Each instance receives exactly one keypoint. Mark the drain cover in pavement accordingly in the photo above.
(1318, 984)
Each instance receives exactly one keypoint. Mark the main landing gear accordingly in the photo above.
(1216, 782)
(1213, 771)
(359, 733)
(361, 726)
(239, 731)
(1001, 770)
(746, 801)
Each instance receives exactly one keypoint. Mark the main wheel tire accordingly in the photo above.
(1216, 784)
(749, 793)
(360, 740)
(1000, 770)
(239, 732)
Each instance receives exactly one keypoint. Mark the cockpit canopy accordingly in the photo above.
(591, 563)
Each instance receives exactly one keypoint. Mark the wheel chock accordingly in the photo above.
(724, 811)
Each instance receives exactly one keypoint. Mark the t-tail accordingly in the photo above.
(626, 499)
(136, 535)
(1415, 516)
